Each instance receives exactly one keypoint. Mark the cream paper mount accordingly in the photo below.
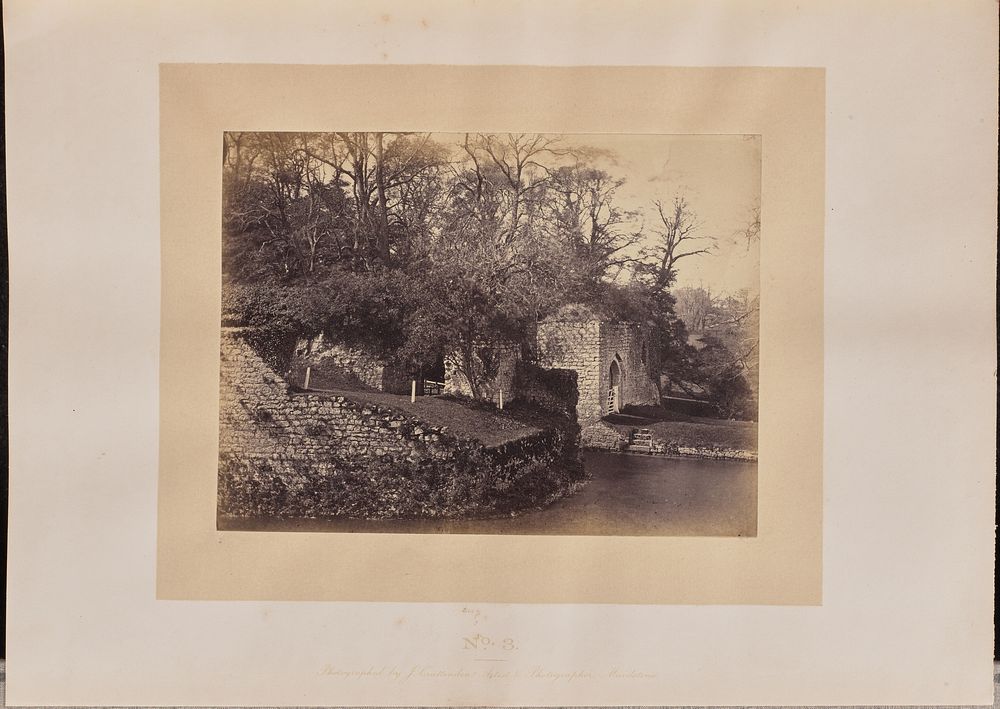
(909, 327)
(785, 106)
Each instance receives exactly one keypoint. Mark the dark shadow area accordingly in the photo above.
(4, 304)
(627, 495)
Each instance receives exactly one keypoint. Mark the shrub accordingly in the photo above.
(474, 481)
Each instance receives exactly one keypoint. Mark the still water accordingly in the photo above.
(628, 495)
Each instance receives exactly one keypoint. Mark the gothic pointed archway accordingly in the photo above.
(616, 376)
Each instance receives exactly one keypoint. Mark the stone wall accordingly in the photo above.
(496, 364)
(535, 469)
(332, 360)
(552, 390)
(589, 347)
(577, 346)
(602, 436)
(629, 343)
(260, 417)
(288, 453)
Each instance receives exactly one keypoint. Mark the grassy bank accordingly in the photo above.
(465, 420)
(688, 431)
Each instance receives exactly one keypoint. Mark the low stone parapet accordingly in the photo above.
(305, 454)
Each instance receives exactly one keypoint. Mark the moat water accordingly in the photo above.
(628, 495)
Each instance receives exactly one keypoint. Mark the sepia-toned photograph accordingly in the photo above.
(490, 333)
(426, 354)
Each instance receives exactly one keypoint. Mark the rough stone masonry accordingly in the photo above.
(604, 354)
(289, 453)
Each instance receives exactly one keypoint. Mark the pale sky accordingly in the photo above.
(719, 175)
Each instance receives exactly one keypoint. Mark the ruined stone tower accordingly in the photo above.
(614, 361)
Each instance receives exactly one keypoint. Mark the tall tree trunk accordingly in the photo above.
(382, 241)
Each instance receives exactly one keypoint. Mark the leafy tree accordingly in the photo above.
(299, 204)
(505, 177)
(460, 320)
(584, 219)
(725, 381)
(415, 250)
(737, 326)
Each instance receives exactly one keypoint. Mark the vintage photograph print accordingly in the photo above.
(490, 333)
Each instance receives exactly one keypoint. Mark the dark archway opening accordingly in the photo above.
(616, 376)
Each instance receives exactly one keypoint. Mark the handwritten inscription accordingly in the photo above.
(532, 673)
(475, 614)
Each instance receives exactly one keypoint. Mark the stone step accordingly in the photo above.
(641, 440)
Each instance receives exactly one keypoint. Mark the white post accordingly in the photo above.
(501, 399)
(308, 372)
(413, 391)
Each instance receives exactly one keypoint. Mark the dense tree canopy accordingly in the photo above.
(411, 247)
